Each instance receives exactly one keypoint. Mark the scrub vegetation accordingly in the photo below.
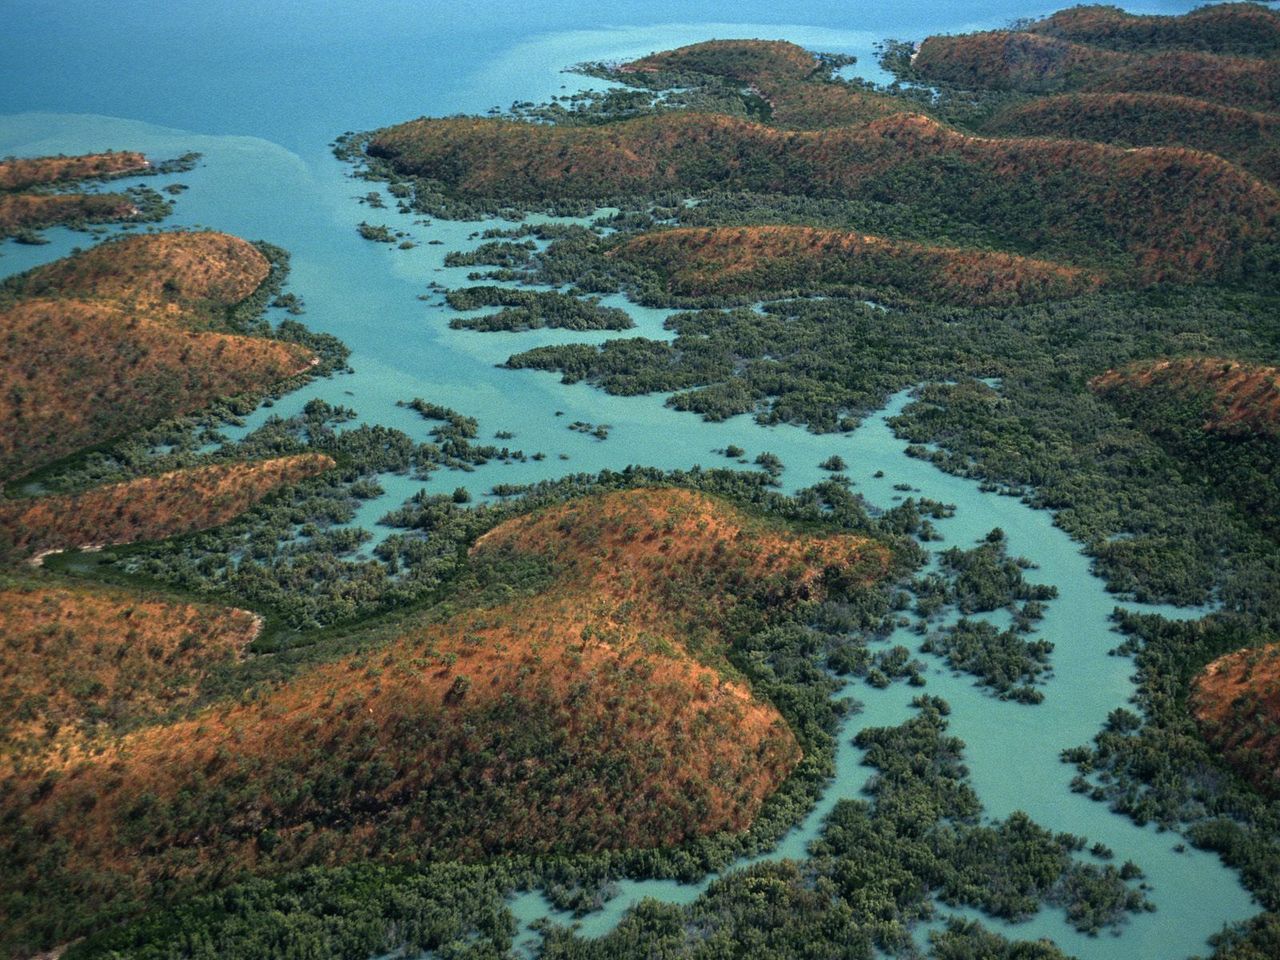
(267, 736)
(533, 310)
(131, 333)
(149, 508)
(83, 662)
(755, 263)
(604, 699)
(32, 195)
(1237, 702)
(878, 866)
(1123, 381)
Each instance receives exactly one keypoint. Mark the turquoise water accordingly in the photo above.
(1012, 749)
(260, 89)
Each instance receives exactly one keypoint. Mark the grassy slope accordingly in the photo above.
(79, 660)
(34, 211)
(150, 508)
(1219, 420)
(1249, 138)
(764, 63)
(130, 338)
(25, 172)
(1248, 29)
(1013, 60)
(1227, 396)
(1174, 213)
(600, 713)
(771, 260)
(21, 211)
(168, 272)
(1237, 703)
(79, 372)
(785, 75)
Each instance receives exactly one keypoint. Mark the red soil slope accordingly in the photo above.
(1179, 214)
(126, 334)
(598, 714)
(782, 74)
(1247, 137)
(76, 660)
(1231, 28)
(1012, 60)
(759, 62)
(763, 260)
(150, 508)
(1235, 398)
(22, 173)
(187, 269)
(1237, 703)
(78, 372)
(32, 211)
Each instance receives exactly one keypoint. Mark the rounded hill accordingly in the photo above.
(601, 713)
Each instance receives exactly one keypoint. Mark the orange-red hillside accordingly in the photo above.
(20, 212)
(126, 334)
(761, 62)
(1237, 702)
(1247, 137)
(33, 211)
(786, 76)
(1177, 214)
(21, 173)
(1231, 397)
(1012, 60)
(169, 271)
(79, 372)
(731, 261)
(597, 714)
(1233, 28)
(149, 508)
(817, 106)
(76, 659)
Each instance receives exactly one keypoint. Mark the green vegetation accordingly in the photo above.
(137, 330)
(1168, 510)
(1243, 29)
(1035, 63)
(1042, 434)
(34, 195)
(696, 267)
(1218, 418)
(982, 580)
(985, 579)
(428, 749)
(377, 232)
(877, 866)
(1001, 659)
(1250, 138)
(1157, 768)
(452, 910)
(534, 309)
(1065, 208)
